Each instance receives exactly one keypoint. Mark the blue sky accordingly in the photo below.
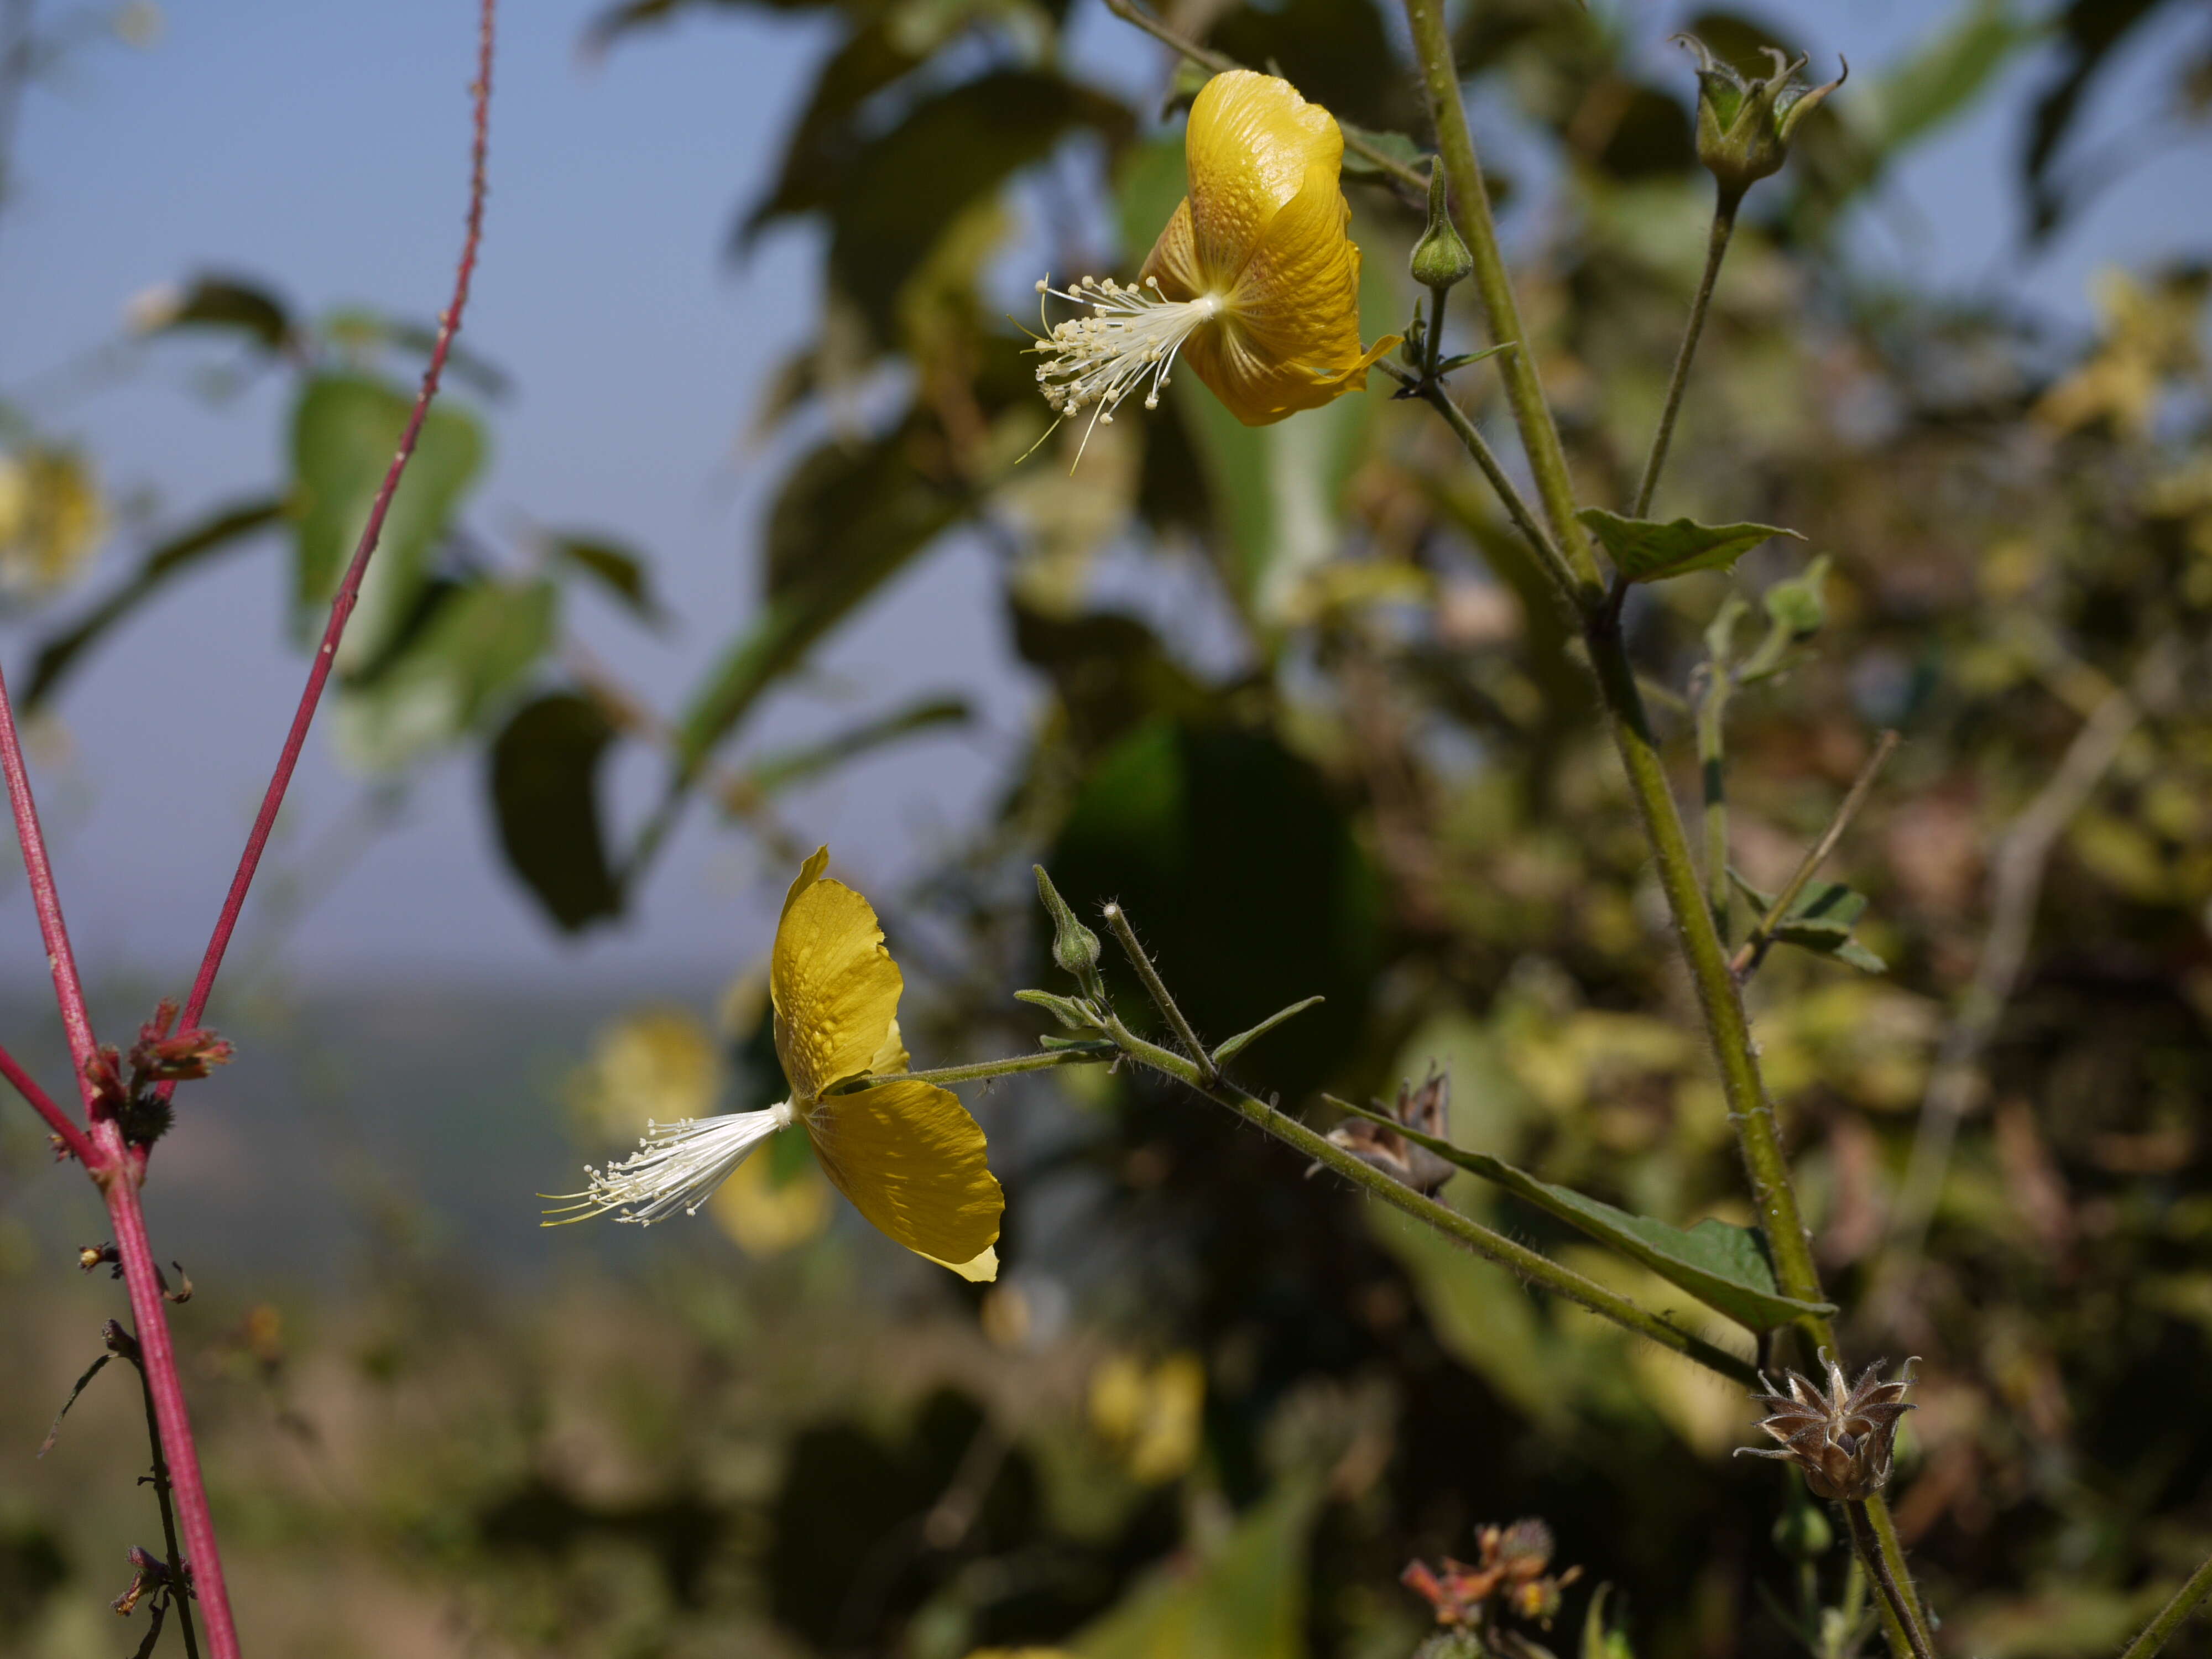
(320, 147)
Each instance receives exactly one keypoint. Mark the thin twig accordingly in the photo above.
(1539, 1270)
(2016, 884)
(1712, 774)
(43, 1104)
(1746, 961)
(1220, 62)
(1717, 245)
(349, 594)
(1156, 988)
(2186, 1600)
(179, 1564)
(1870, 1553)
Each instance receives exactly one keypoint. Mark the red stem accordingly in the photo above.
(69, 990)
(349, 590)
(43, 1104)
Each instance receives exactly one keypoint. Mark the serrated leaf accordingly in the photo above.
(1724, 1266)
(219, 532)
(1646, 550)
(544, 793)
(1232, 1046)
(345, 431)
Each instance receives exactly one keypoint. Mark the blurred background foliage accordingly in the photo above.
(1211, 1408)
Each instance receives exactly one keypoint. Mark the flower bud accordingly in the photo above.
(1745, 127)
(1440, 258)
(1074, 946)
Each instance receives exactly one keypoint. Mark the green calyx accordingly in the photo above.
(1440, 258)
(1745, 125)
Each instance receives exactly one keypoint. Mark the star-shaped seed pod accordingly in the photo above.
(1842, 1438)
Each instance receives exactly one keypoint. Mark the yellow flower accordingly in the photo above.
(1254, 281)
(907, 1154)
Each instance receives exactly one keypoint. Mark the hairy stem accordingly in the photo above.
(1524, 390)
(1717, 245)
(1118, 920)
(1877, 1565)
(1719, 997)
(2186, 1601)
(1754, 948)
(1539, 1270)
(349, 594)
(177, 1563)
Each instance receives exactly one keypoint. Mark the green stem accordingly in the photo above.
(1524, 390)
(1156, 988)
(1495, 1247)
(1870, 1552)
(2186, 1600)
(1712, 709)
(1433, 344)
(1717, 245)
(1088, 1054)
(1755, 947)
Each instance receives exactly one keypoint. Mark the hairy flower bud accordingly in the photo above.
(1744, 125)
(1440, 258)
(1842, 1439)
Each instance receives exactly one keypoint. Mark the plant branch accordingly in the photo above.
(1537, 1269)
(1870, 1553)
(1524, 390)
(1753, 950)
(1712, 761)
(349, 594)
(43, 1104)
(46, 898)
(1090, 1055)
(1201, 1057)
(2186, 1601)
(1220, 62)
(1716, 247)
(177, 1563)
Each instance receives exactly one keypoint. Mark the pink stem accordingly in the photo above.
(69, 990)
(158, 1356)
(349, 590)
(43, 1104)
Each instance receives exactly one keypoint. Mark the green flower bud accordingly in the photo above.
(1074, 946)
(1440, 258)
(1745, 127)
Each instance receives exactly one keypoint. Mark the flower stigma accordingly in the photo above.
(1129, 339)
(677, 1166)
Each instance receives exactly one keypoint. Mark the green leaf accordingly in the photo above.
(222, 303)
(1724, 1266)
(1646, 550)
(615, 568)
(1602, 1640)
(1236, 1045)
(218, 532)
(479, 643)
(1943, 76)
(345, 429)
(772, 774)
(545, 778)
(847, 521)
(1395, 145)
(1821, 919)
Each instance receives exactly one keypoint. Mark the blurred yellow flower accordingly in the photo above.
(1154, 1415)
(907, 1154)
(1254, 281)
(51, 519)
(765, 1217)
(651, 1066)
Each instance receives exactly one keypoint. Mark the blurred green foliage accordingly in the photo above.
(1394, 794)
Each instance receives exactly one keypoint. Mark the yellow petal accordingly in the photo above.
(808, 873)
(1251, 143)
(1290, 338)
(912, 1160)
(834, 989)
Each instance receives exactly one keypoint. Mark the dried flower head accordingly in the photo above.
(1841, 1438)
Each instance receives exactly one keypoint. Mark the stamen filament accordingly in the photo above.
(1129, 340)
(677, 1167)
